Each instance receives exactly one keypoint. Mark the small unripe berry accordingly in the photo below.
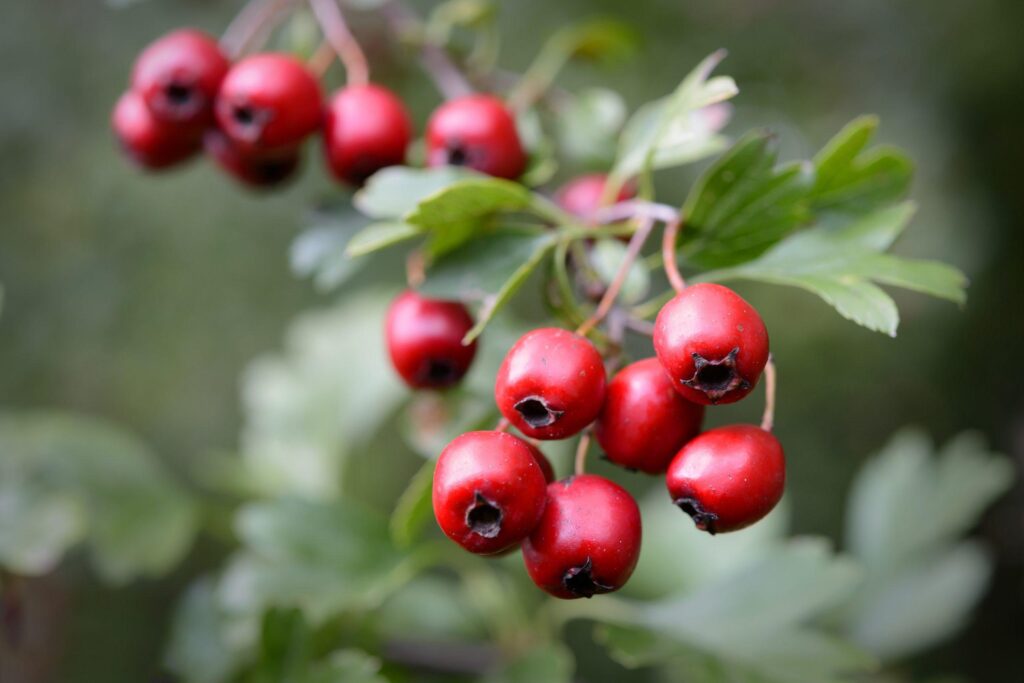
(150, 143)
(256, 170)
(366, 129)
(582, 196)
(178, 77)
(269, 102)
(587, 541)
(424, 338)
(644, 421)
(478, 132)
(551, 384)
(728, 478)
(488, 492)
(712, 343)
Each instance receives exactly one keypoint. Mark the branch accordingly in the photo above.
(451, 82)
(768, 418)
(336, 31)
(636, 243)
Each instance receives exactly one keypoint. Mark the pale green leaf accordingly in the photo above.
(606, 256)
(378, 236)
(414, 510)
(589, 126)
(549, 662)
(346, 666)
(198, 649)
(393, 192)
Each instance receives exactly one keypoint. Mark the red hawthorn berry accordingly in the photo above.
(551, 384)
(728, 478)
(366, 129)
(582, 196)
(712, 343)
(150, 143)
(587, 541)
(489, 491)
(269, 102)
(644, 421)
(478, 132)
(178, 77)
(424, 338)
(255, 170)
(545, 464)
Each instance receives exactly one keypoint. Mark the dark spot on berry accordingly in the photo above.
(484, 517)
(537, 413)
(580, 581)
(715, 377)
(243, 115)
(440, 372)
(458, 154)
(705, 521)
(178, 94)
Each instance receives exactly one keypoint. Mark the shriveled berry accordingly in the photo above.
(256, 170)
(269, 102)
(478, 132)
(551, 384)
(728, 478)
(582, 196)
(713, 344)
(178, 77)
(366, 129)
(644, 421)
(424, 338)
(150, 143)
(587, 541)
(489, 491)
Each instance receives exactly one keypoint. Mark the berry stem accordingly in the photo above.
(336, 31)
(322, 59)
(582, 447)
(415, 269)
(451, 82)
(636, 243)
(256, 17)
(768, 418)
(503, 425)
(668, 254)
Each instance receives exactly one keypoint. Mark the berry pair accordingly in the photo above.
(580, 536)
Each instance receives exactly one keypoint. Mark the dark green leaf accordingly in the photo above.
(743, 204)
(489, 270)
(284, 649)
(393, 192)
(457, 213)
(379, 236)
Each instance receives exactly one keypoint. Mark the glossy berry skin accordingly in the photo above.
(366, 128)
(587, 541)
(728, 478)
(257, 171)
(644, 421)
(269, 102)
(478, 132)
(713, 344)
(489, 491)
(582, 196)
(543, 462)
(150, 143)
(178, 77)
(424, 338)
(551, 384)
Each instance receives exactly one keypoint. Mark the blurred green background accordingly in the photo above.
(141, 299)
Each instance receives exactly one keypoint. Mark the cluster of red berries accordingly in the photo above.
(580, 536)
(253, 116)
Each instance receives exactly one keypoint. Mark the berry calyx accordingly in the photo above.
(366, 129)
(644, 421)
(476, 131)
(150, 143)
(712, 343)
(582, 196)
(424, 338)
(269, 102)
(587, 541)
(255, 170)
(728, 478)
(488, 492)
(551, 384)
(178, 77)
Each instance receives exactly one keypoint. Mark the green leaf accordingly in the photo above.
(413, 511)
(671, 131)
(606, 256)
(284, 650)
(199, 650)
(839, 263)
(602, 40)
(490, 270)
(549, 662)
(319, 252)
(347, 666)
(453, 216)
(308, 408)
(589, 126)
(907, 502)
(395, 191)
(66, 479)
(852, 180)
(378, 236)
(743, 204)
